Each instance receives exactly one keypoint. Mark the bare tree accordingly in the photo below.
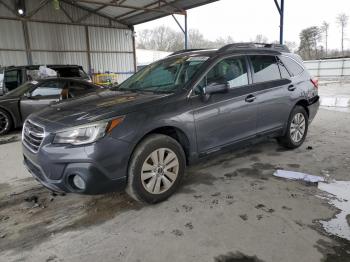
(196, 39)
(291, 45)
(260, 39)
(342, 20)
(221, 41)
(160, 38)
(325, 29)
(309, 39)
(166, 39)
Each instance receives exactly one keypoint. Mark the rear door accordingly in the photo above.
(226, 117)
(43, 95)
(273, 97)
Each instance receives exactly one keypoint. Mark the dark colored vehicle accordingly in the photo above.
(142, 134)
(32, 96)
(12, 77)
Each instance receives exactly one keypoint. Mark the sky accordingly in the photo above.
(244, 19)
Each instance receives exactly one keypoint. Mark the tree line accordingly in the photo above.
(164, 38)
(313, 40)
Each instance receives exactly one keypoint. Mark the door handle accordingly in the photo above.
(250, 98)
(291, 88)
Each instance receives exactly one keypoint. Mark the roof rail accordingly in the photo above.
(277, 47)
(186, 50)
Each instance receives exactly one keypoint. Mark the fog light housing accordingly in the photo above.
(78, 182)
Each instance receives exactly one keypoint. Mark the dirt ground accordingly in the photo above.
(230, 208)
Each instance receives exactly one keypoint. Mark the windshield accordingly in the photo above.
(164, 76)
(21, 90)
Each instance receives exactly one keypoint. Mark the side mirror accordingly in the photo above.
(214, 88)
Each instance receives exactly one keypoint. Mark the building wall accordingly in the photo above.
(69, 35)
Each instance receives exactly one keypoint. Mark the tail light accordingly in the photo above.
(314, 81)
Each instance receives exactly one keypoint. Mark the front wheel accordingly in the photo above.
(156, 169)
(297, 128)
(5, 122)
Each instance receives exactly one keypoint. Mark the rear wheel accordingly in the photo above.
(156, 169)
(297, 128)
(5, 122)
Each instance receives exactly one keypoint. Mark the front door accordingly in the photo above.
(225, 117)
(43, 95)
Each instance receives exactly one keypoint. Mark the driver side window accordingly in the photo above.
(49, 89)
(232, 71)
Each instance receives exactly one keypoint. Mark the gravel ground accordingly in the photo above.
(230, 208)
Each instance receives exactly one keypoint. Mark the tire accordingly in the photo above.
(148, 181)
(295, 137)
(5, 122)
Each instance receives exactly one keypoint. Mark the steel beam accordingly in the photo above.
(27, 42)
(73, 3)
(183, 29)
(41, 5)
(280, 9)
(67, 14)
(147, 9)
(8, 8)
(88, 49)
(59, 23)
(186, 32)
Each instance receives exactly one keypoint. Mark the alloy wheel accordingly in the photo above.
(297, 127)
(159, 171)
(4, 122)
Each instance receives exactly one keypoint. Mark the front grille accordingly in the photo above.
(32, 136)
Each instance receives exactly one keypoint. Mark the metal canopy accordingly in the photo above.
(133, 12)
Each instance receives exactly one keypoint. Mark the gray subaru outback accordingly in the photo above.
(141, 135)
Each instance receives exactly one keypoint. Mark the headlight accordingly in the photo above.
(86, 134)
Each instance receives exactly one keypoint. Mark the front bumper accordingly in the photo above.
(102, 166)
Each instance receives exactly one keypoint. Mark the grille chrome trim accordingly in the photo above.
(32, 136)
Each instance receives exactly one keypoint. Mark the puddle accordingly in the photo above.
(338, 196)
(31, 216)
(237, 257)
(340, 191)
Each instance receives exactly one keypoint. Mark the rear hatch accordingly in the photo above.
(70, 71)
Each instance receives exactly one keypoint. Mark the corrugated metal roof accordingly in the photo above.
(132, 12)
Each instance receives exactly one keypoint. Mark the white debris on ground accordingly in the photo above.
(340, 191)
(339, 197)
(298, 176)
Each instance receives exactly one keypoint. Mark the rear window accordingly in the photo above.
(12, 79)
(293, 67)
(265, 68)
(71, 72)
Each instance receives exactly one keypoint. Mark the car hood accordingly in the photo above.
(95, 107)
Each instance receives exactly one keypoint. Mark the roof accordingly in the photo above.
(133, 12)
(237, 48)
(33, 67)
